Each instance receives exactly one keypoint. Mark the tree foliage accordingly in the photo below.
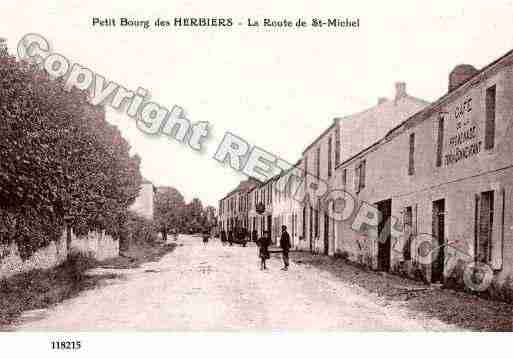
(172, 213)
(59, 160)
(169, 210)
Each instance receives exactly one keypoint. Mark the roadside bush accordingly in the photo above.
(139, 229)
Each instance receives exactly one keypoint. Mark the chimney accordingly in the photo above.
(460, 74)
(400, 90)
(382, 100)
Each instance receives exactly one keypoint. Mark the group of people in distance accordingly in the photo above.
(263, 244)
(238, 233)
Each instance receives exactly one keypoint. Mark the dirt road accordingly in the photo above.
(212, 287)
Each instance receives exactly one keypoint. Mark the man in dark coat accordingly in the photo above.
(254, 236)
(285, 246)
(230, 237)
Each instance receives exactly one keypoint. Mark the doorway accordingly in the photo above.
(437, 266)
(311, 229)
(384, 248)
(326, 233)
(269, 227)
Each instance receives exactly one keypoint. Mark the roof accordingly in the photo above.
(363, 128)
(244, 186)
(360, 130)
(425, 113)
(320, 136)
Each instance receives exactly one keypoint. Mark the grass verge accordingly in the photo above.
(138, 254)
(41, 288)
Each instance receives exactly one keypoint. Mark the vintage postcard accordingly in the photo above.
(255, 167)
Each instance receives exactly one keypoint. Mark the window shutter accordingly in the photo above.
(362, 174)
(490, 118)
(414, 251)
(476, 226)
(498, 233)
(357, 178)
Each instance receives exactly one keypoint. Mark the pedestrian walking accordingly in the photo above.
(285, 247)
(254, 236)
(206, 235)
(230, 237)
(263, 249)
(223, 237)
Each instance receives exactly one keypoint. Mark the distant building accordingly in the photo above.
(234, 207)
(143, 204)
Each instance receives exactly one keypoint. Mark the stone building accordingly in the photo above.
(233, 209)
(261, 195)
(445, 175)
(143, 204)
(287, 209)
(345, 137)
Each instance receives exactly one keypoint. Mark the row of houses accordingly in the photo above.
(440, 170)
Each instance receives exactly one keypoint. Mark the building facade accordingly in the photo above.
(143, 204)
(233, 211)
(445, 176)
(345, 137)
(429, 185)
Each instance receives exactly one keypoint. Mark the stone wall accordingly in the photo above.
(97, 245)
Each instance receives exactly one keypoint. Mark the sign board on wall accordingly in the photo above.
(462, 137)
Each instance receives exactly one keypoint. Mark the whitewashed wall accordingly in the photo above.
(97, 245)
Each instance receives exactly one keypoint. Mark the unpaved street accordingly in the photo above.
(212, 287)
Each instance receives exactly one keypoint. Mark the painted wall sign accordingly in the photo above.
(463, 140)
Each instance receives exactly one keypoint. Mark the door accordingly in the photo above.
(326, 233)
(311, 229)
(269, 226)
(384, 252)
(437, 266)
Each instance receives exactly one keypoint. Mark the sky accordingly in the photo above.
(276, 88)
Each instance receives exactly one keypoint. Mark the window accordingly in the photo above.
(317, 223)
(440, 141)
(318, 163)
(411, 163)
(357, 178)
(360, 176)
(490, 118)
(337, 145)
(311, 221)
(304, 222)
(329, 156)
(344, 177)
(484, 226)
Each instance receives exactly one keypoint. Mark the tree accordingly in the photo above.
(60, 160)
(195, 216)
(169, 210)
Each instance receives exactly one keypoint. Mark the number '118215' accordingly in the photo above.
(66, 345)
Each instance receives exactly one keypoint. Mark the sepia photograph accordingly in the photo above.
(199, 177)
